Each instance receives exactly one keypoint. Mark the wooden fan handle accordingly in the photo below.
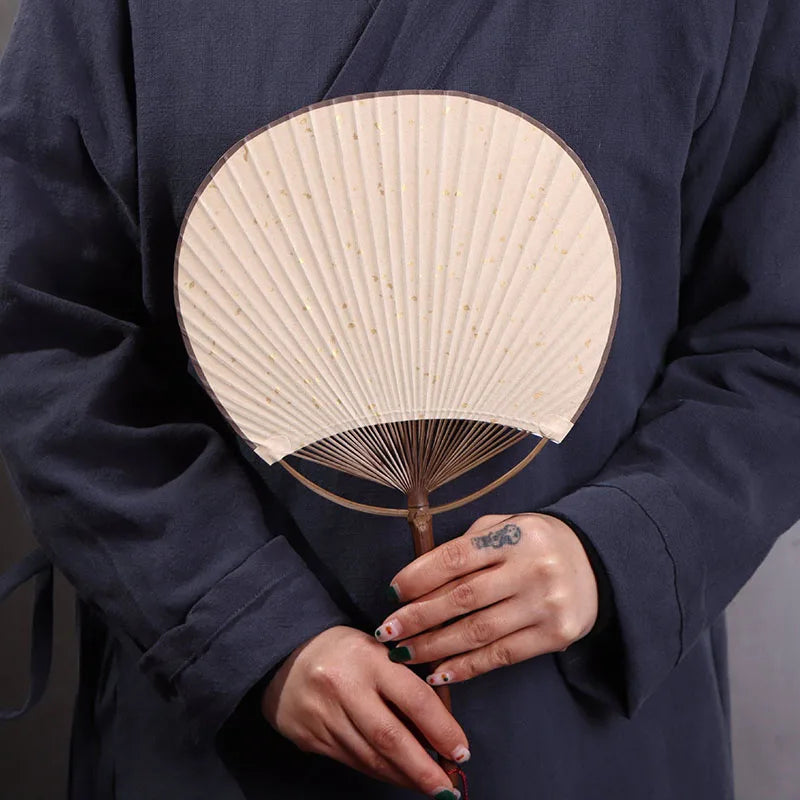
(420, 520)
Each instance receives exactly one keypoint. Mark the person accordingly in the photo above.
(228, 617)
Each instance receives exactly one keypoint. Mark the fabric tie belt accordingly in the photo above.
(34, 565)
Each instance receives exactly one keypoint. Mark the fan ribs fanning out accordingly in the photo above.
(414, 454)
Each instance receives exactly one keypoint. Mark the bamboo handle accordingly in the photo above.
(420, 521)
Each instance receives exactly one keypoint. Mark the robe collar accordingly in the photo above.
(406, 45)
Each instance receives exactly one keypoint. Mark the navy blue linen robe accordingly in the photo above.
(199, 569)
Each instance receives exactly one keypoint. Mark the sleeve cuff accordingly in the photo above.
(605, 591)
(239, 631)
(627, 524)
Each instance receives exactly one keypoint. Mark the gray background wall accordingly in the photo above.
(764, 646)
(764, 629)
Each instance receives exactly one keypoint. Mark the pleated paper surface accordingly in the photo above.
(397, 256)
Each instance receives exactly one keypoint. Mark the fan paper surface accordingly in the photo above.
(397, 256)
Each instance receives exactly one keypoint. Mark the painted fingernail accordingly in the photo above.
(403, 653)
(446, 793)
(390, 630)
(460, 754)
(393, 593)
(438, 678)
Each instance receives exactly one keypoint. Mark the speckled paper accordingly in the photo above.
(395, 256)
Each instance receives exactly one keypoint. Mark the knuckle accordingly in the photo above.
(566, 628)
(549, 567)
(377, 763)
(415, 614)
(452, 556)
(556, 606)
(502, 656)
(325, 678)
(442, 729)
(470, 669)
(419, 700)
(463, 595)
(386, 737)
(479, 630)
(427, 779)
(308, 707)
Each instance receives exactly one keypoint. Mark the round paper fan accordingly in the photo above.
(392, 257)
(398, 285)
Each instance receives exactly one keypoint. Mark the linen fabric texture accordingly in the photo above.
(199, 569)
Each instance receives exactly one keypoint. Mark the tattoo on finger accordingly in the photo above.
(508, 535)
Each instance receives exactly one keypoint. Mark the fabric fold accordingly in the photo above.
(245, 625)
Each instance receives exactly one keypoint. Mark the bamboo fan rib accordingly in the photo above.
(413, 455)
(398, 285)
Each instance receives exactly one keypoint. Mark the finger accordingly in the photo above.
(407, 721)
(480, 547)
(487, 521)
(519, 646)
(471, 633)
(351, 748)
(423, 707)
(391, 739)
(477, 590)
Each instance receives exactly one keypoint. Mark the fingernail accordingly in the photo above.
(460, 754)
(446, 793)
(390, 630)
(401, 654)
(393, 593)
(438, 678)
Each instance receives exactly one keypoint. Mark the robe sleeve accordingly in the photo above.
(127, 472)
(692, 501)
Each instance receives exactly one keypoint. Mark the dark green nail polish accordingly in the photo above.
(391, 593)
(400, 654)
(445, 794)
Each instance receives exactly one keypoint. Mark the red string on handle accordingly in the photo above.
(463, 777)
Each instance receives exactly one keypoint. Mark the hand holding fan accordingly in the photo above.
(398, 285)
